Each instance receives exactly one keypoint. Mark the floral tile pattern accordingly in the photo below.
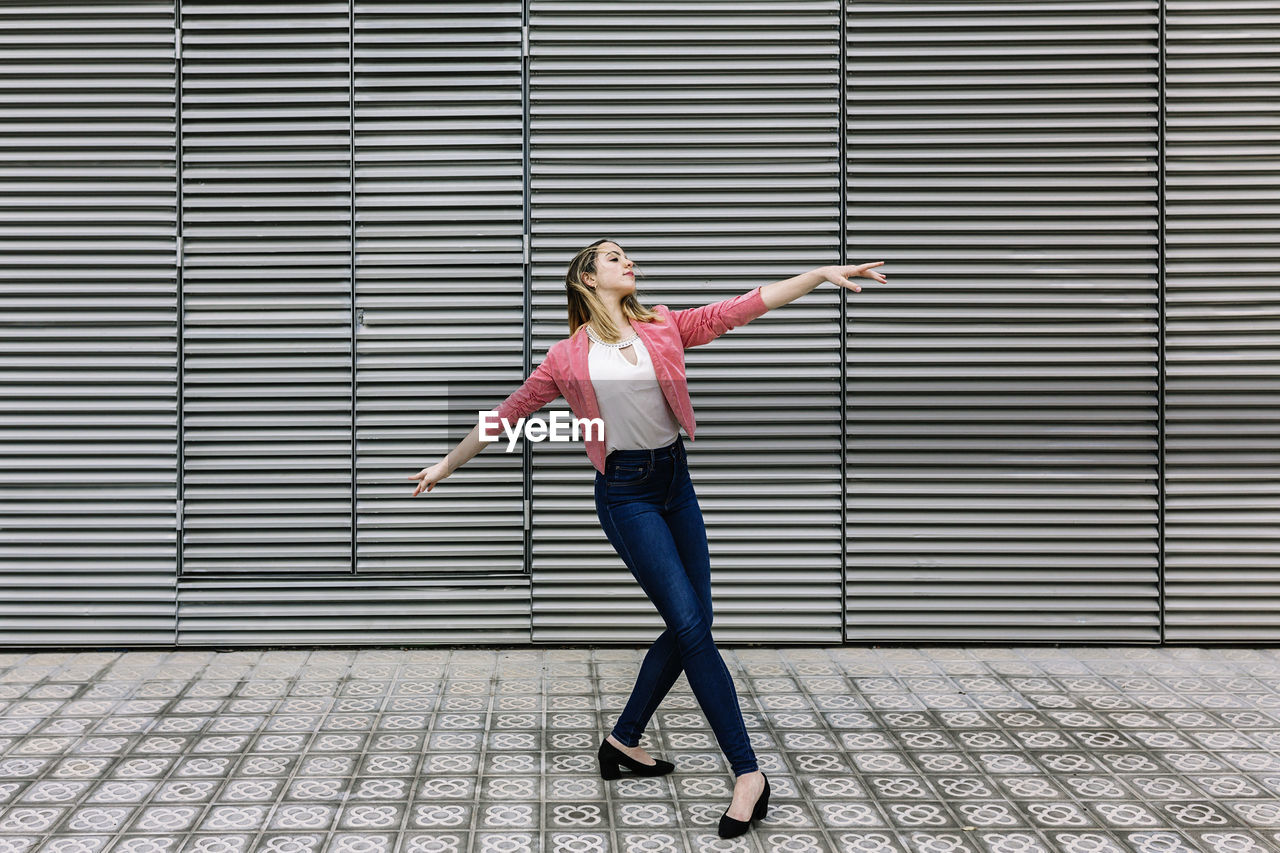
(901, 750)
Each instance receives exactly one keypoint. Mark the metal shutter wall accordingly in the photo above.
(1222, 502)
(1002, 392)
(703, 139)
(355, 610)
(267, 327)
(439, 276)
(89, 280)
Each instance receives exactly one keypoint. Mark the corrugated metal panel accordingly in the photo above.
(355, 610)
(1222, 565)
(88, 274)
(1002, 393)
(439, 274)
(438, 208)
(703, 139)
(266, 136)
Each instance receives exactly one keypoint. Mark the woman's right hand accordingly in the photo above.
(429, 476)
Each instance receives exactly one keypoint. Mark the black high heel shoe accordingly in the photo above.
(611, 757)
(731, 827)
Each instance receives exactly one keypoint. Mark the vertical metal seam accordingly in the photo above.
(526, 449)
(1161, 312)
(351, 273)
(180, 519)
(841, 231)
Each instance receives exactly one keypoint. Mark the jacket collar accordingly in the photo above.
(580, 371)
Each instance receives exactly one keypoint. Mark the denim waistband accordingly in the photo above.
(650, 453)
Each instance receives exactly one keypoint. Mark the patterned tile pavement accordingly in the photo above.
(928, 750)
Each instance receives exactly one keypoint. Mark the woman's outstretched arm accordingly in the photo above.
(538, 390)
(455, 459)
(789, 290)
(430, 476)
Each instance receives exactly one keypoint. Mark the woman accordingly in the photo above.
(624, 363)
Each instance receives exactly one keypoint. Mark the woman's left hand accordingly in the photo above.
(840, 275)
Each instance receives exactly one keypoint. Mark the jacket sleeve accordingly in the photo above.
(538, 390)
(704, 324)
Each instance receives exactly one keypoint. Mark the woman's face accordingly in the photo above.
(615, 273)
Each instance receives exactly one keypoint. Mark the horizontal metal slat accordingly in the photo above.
(725, 140)
(1002, 434)
(1221, 583)
(88, 284)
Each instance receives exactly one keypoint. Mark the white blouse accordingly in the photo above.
(636, 415)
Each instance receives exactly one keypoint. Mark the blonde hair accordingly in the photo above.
(585, 304)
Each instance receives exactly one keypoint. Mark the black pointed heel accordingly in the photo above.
(612, 760)
(731, 827)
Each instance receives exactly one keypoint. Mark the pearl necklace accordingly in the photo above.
(591, 334)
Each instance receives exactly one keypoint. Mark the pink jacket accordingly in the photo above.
(564, 370)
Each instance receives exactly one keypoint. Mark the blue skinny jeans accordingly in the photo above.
(650, 514)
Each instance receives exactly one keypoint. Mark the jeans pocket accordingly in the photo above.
(625, 473)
